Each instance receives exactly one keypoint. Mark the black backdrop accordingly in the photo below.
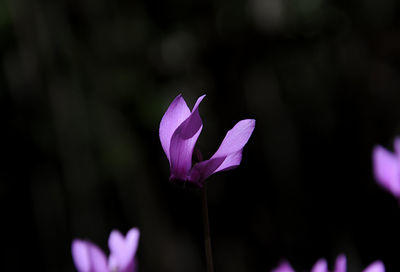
(83, 87)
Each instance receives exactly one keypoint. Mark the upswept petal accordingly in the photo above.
(236, 138)
(98, 258)
(320, 266)
(204, 169)
(132, 239)
(284, 266)
(88, 257)
(80, 255)
(123, 249)
(376, 266)
(341, 263)
(387, 170)
(229, 153)
(176, 113)
(231, 161)
(233, 144)
(182, 143)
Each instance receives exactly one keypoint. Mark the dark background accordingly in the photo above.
(83, 87)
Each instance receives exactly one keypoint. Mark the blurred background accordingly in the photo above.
(83, 87)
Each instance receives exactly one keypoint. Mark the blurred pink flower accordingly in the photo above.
(283, 266)
(387, 167)
(179, 130)
(88, 257)
(322, 266)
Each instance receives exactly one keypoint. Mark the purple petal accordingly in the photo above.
(233, 143)
(204, 169)
(236, 138)
(284, 266)
(123, 249)
(182, 143)
(320, 266)
(176, 113)
(231, 161)
(88, 257)
(386, 170)
(229, 153)
(376, 266)
(341, 263)
(80, 255)
(98, 259)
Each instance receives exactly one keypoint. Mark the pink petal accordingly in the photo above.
(284, 266)
(98, 259)
(376, 266)
(176, 113)
(386, 170)
(320, 266)
(233, 144)
(80, 255)
(341, 263)
(123, 249)
(204, 169)
(88, 257)
(229, 153)
(236, 138)
(231, 161)
(182, 143)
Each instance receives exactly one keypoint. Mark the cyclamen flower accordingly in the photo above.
(284, 266)
(179, 130)
(387, 167)
(88, 257)
(322, 266)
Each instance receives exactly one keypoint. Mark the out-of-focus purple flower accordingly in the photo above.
(179, 130)
(376, 266)
(341, 263)
(322, 266)
(387, 167)
(90, 258)
(283, 266)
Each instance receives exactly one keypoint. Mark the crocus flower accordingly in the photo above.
(179, 130)
(322, 266)
(387, 168)
(90, 258)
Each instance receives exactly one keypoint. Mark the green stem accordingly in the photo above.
(206, 228)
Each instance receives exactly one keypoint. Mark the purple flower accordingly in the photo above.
(376, 266)
(179, 130)
(283, 266)
(322, 266)
(387, 168)
(90, 258)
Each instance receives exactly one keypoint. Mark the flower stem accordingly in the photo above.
(206, 228)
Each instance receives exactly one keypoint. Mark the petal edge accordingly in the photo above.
(177, 112)
(387, 170)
